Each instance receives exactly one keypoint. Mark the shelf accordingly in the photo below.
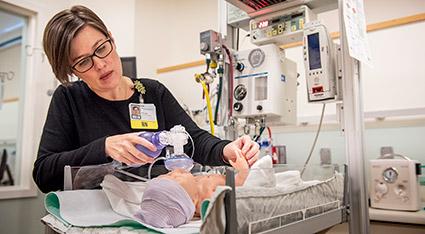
(412, 217)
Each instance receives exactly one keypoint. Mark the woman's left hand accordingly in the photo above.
(249, 149)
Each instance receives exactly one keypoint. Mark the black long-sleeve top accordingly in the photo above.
(78, 122)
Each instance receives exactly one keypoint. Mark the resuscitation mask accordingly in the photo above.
(177, 138)
(178, 161)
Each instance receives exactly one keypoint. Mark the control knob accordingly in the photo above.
(240, 67)
(204, 46)
(238, 106)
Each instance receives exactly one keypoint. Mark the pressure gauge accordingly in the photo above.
(240, 92)
(256, 57)
(390, 175)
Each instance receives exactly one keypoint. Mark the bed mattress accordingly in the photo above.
(306, 200)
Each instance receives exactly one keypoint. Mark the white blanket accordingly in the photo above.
(262, 175)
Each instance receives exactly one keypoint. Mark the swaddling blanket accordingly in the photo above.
(91, 208)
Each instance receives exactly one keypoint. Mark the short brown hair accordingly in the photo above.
(60, 31)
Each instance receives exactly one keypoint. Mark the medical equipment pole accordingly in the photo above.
(353, 128)
(230, 123)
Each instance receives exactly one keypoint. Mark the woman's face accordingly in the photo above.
(106, 72)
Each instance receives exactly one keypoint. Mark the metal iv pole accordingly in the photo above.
(354, 128)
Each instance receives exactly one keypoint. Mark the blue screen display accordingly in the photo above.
(314, 51)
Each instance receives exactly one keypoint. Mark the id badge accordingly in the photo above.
(143, 116)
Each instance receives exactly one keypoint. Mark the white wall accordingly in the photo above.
(168, 34)
(397, 79)
(377, 11)
(405, 140)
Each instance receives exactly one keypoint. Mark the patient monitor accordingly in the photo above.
(281, 27)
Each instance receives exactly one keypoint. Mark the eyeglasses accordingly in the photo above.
(87, 63)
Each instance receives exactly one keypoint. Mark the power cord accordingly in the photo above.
(315, 139)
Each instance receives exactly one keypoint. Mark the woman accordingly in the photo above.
(89, 121)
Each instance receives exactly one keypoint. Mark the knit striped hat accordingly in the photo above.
(165, 204)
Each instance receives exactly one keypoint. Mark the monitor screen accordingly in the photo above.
(129, 67)
(314, 51)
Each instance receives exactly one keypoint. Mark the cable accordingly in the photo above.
(237, 39)
(193, 144)
(270, 132)
(259, 135)
(207, 97)
(131, 175)
(119, 167)
(315, 140)
(220, 85)
(207, 61)
(230, 81)
(150, 166)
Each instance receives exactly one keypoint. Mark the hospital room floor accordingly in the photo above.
(382, 228)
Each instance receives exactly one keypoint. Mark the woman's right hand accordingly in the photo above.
(122, 148)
